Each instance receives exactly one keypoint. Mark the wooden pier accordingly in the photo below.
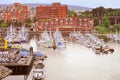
(21, 67)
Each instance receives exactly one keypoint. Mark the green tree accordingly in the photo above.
(100, 11)
(28, 20)
(27, 24)
(3, 24)
(105, 21)
(111, 29)
(101, 29)
(71, 13)
(116, 27)
(96, 22)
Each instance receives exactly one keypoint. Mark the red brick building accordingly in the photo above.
(83, 24)
(16, 12)
(56, 10)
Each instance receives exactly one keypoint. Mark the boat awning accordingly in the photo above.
(24, 53)
(38, 54)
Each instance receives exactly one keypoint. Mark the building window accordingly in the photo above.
(66, 23)
(80, 20)
(71, 19)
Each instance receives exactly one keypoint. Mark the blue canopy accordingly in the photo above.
(4, 52)
(24, 53)
(59, 44)
(38, 54)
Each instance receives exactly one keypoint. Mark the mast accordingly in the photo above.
(11, 29)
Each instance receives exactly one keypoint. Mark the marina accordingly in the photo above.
(74, 62)
(61, 40)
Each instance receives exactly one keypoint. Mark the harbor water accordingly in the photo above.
(75, 62)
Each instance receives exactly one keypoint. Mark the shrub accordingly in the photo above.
(3, 24)
(101, 29)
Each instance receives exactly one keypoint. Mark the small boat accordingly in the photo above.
(39, 56)
(88, 44)
(59, 40)
(23, 35)
(38, 72)
(46, 39)
(16, 40)
(103, 50)
(15, 46)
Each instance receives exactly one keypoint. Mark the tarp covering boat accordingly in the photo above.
(24, 53)
(38, 54)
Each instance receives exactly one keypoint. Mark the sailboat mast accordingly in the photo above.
(11, 29)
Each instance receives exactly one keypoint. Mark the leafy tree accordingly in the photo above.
(71, 13)
(105, 21)
(111, 29)
(98, 11)
(101, 29)
(27, 24)
(96, 22)
(116, 27)
(28, 20)
(3, 24)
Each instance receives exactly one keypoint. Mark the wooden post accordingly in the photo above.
(31, 50)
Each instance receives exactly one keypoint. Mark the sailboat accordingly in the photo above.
(10, 34)
(59, 40)
(23, 34)
(46, 39)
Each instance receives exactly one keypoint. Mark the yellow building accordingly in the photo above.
(3, 43)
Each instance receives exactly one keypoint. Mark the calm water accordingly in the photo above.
(76, 62)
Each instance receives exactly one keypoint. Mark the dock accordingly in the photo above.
(22, 67)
